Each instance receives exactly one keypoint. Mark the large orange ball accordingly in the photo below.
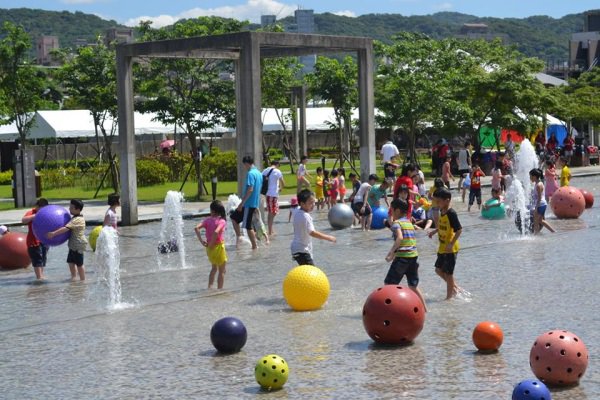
(558, 358)
(567, 202)
(588, 197)
(487, 336)
(13, 251)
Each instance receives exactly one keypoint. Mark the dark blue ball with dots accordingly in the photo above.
(531, 389)
(228, 335)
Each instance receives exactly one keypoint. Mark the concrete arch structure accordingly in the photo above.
(246, 49)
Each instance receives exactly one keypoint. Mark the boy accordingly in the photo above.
(302, 175)
(360, 205)
(448, 230)
(304, 229)
(37, 250)
(319, 188)
(403, 253)
(77, 241)
(475, 188)
(565, 173)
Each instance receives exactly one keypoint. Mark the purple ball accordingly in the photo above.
(49, 219)
(228, 335)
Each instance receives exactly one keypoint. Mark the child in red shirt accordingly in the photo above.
(475, 190)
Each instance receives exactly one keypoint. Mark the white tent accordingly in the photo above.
(9, 132)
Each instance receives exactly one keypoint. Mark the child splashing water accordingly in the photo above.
(538, 205)
(215, 242)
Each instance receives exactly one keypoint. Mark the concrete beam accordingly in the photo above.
(128, 173)
(366, 112)
(248, 106)
(201, 54)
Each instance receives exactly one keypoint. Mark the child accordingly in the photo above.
(319, 182)
(334, 185)
(302, 175)
(389, 168)
(446, 171)
(215, 242)
(37, 250)
(538, 204)
(465, 185)
(565, 173)
(326, 188)
(448, 230)
(403, 253)
(497, 176)
(360, 204)
(355, 186)
(434, 211)
(496, 196)
(550, 176)
(475, 189)
(420, 217)
(304, 230)
(293, 207)
(342, 184)
(77, 241)
(110, 218)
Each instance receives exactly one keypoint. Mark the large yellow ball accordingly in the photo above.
(93, 238)
(306, 288)
(271, 372)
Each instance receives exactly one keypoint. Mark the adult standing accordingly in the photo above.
(568, 145)
(36, 249)
(302, 175)
(275, 182)
(388, 151)
(442, 154)
(250, 197)
(464, 163)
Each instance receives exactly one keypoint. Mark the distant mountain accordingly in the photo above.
(538, 36)
(68, 26)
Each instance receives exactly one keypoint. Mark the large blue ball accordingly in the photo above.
(228, 335)
(531, 389)
(48, 219)
(380, 214)
(498, 212)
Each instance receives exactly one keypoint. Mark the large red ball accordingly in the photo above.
(393, 314)
(558, 358)
(13, 251)
(567, 202)
(588, 197)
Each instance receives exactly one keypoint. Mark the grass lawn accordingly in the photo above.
(157, 193)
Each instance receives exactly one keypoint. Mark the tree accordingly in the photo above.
(89, 79)
(21, 84)
(190, 93)
(337, 83)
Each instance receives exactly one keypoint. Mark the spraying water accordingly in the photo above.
(518, 191)
(171, 229)
(108, 265)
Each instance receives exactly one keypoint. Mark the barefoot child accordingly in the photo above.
(77, 241)
(215, 242)
(448, 230)
(110, 218)
(293, 207)
(538, 202)
(403, 253)
(319, 188)
(304, 230)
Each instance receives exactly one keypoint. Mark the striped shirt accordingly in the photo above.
(408, 244)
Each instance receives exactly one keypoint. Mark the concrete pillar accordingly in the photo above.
(366, 113)
(303, 138)
(128, 174)
(248, 106)
(295, 132)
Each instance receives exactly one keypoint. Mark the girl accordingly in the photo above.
(326, 183)
(215, 242)
(319, 188)
(334, 185)
(538, 205)
(550, 176)
(293, 206)
(110, 218)
(342, 184)
(497, 176)
(434, 211)
(446, 171)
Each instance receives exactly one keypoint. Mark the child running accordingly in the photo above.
(403, 253)
(538, 204)
(448, 230)
(215, 242)
(550, 176)
(304, 230)
(475, 189)
(77, 241)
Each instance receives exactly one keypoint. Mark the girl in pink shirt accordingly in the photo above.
(497, 176)
(215, 242)
(334, 185)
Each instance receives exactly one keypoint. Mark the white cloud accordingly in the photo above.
(345, 13)
(251, 11)
(443, 6)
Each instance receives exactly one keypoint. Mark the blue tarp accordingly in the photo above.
(560, 131)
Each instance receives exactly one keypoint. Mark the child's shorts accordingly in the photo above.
(38, 255)
(75, 257)
(446, 262)
(403, 266)
(217, 255)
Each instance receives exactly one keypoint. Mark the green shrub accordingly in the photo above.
(151, 172)
(223, 165)
(6, 177)
(59, 178)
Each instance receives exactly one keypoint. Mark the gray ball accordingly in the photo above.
(340, 216)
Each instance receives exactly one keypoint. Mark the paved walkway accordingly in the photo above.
(148, 212)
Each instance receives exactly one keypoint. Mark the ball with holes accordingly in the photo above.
(393, 314)
(567, 202)
(271, 372)
(558, 358)
(531, 389)
(487, 336)
(588, 197)
(306, 288)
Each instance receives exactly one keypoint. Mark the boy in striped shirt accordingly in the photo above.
(403, 253)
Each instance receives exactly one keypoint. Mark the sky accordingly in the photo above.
(164, 12)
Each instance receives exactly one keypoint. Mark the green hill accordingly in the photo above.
(538, 36)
